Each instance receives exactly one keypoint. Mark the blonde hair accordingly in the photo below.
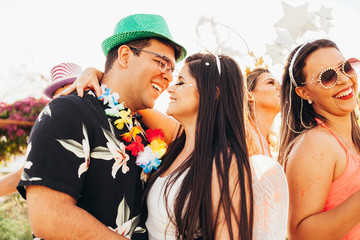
(272, 137)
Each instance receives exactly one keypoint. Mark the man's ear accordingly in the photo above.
(123, 56)
(302, 92)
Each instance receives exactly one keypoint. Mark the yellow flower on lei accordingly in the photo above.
(158, 147)
(124, 118)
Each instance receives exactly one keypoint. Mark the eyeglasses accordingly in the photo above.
(328, 77)
(164, 64)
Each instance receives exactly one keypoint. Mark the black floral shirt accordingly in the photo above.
(74, 148)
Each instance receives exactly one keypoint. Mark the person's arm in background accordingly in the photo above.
(9, 182)
(89, 78)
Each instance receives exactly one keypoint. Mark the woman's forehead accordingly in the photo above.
(324, 57)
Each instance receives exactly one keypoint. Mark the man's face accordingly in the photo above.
(148, 77)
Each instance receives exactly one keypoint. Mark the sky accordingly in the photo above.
(38, 34)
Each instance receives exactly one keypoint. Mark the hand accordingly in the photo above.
(88, 79)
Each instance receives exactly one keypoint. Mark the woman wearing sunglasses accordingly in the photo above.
(320, 142)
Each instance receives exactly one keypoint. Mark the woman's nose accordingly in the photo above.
(170, 89)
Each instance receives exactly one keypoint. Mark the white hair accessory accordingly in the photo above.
(291, 66)
(292, 82)
(218, 64)
(217, 58)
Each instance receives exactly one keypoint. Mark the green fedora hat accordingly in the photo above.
(140, 26)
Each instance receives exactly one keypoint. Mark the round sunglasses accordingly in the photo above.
(328, 77)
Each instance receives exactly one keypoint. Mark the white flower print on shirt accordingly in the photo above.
(126, 227)
(81, 150)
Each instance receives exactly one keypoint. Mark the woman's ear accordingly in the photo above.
(217, 93)
(123, 56)
(251, 97)
(302, 92)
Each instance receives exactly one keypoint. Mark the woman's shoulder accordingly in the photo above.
(316, 146)
(316, 138)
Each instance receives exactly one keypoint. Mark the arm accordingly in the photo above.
(221, 226)
(9, 182)
(310, 172)
(155, 119)
(152, 118)
(54, 215)
(90, 77)
(52, 181)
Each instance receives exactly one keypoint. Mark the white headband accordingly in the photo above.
(292, 65)
(218, 64)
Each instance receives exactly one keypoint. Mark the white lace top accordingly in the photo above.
(158, 222)
(271, 198)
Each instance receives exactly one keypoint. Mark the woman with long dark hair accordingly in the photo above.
(205, 179)
(203, 188)
(320, 142)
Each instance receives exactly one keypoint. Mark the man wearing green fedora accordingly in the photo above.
(87, 158)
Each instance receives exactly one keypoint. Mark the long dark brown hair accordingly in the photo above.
(293, 119)
(220, 140)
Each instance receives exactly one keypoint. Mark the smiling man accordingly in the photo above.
(82, 180)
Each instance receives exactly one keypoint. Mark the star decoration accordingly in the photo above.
(259, 61)
(284, 37)
(219, 38)
(297, 20)
(324, 13)
(326, 25)
(275, 52)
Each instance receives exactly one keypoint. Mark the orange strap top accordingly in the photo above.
(344, 185)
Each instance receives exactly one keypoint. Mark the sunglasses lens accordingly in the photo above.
(328, 78)
(352, 67)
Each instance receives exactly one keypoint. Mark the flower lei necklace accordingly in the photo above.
(147, 157)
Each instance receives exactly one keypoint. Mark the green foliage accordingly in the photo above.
(14, 222)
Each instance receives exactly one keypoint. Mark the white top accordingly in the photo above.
(158, 222)
(271, 198)
(271, 202)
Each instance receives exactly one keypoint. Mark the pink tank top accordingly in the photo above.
(345, 185)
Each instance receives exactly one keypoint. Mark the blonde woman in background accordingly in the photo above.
(263, 106)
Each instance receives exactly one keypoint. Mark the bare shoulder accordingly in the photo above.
(315, 148)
